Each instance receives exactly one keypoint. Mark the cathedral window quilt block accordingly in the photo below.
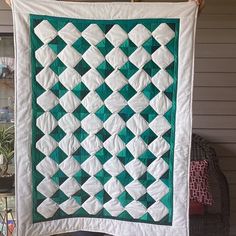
(107, 109)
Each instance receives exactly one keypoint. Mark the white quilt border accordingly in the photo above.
(187, 13)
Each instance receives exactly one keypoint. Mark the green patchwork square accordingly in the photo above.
(151, 45)
(59, 90)
(58, 112)
(151, 68)
(58, 66)
(57, 44)
(127, 92)
(126, 113)
(125, 156)
(80, 90)
(105, 69)
(103, 113)
(104, 91)
(128, 69)
(128, 47)
(126, 135)
(81, 45)
(82, 67)
(103, 155)
(81, 134)
(105, 46)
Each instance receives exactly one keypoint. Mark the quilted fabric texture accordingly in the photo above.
(199, 183)
(103, 117)
(104, 112)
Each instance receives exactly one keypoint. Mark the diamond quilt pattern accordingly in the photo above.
(104, 108)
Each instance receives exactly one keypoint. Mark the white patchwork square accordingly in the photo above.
(114, 188)
(93, 34)
(115, 102)
(69, 144)
(70, 206)
(92, 165)
(45, 31)
(162, 80)
(47, 100)
(159, 146)
(114, 124)
(92, 79)
(69, 101)
(46, 78)
(70, 187)
(136, 146)
(136, 168)
(92, 144)
(92, 102)
(139, 80)
(70, 78)
(137, 124)
(70, 166)
(158, 211)
(116, 35)
(47, 187)
(47, 167)
(116, 58)
(69, 123)
(45, 55)
(157, 168)
(140, 57)
(91, 124)
(114, 207)
(47, 208)
(135, 209)
(139, 34)
(46, 144)
(92, 186)
(163, 34)
(114, 144)
(161, 103)
(138, 102)
(160, 125)
(69, 33)
(113, 166)
(92, 206)
(135, 189)
(162, 190)
(69, 56)
(116, 80)
(93, 57)
(162, 57)
(46, 122)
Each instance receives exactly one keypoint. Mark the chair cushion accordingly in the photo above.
(196, 208)
(199, 183)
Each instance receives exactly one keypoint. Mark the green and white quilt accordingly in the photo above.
(103, 116)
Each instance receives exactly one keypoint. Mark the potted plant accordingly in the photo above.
(6, 156)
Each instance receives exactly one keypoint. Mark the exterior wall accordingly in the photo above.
(215, 83)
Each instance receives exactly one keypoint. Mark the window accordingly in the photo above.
(6, 115)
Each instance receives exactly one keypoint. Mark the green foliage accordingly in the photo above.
(6, 148)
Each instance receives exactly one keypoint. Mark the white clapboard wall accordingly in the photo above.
(215, 83)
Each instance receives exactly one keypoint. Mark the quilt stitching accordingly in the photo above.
(103, 118)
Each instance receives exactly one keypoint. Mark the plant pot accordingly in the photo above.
(7, 183)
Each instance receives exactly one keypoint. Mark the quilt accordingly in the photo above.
(103, 116)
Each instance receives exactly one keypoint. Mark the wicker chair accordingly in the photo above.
(215, 222)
